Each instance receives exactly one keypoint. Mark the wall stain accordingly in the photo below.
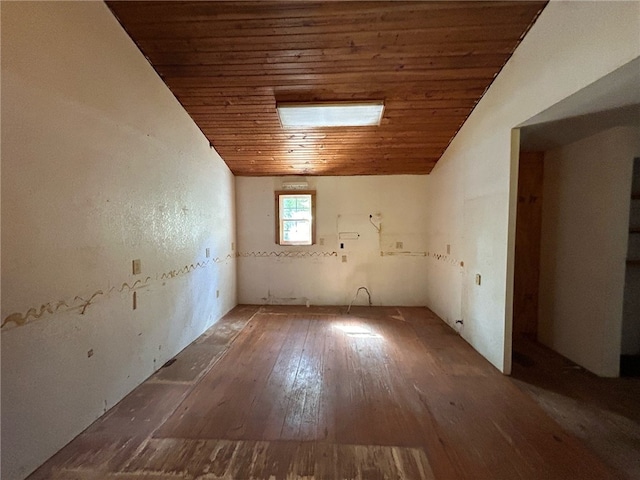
(271, 299)
(19, 319)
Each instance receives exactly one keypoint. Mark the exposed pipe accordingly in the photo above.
(356, 296)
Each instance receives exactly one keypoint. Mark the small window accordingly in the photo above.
(295, 214)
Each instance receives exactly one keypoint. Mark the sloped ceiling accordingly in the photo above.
(229, 63)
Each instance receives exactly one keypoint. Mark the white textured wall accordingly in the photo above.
(100, 166)
(316, 273)
(571, 45)
(585, 229)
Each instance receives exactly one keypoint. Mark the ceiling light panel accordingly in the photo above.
(315, 115)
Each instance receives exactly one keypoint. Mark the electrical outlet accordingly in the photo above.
(344, 259)
(217, 293)
(399, 245)
(478, 279)
(136, 267)
(321, 241)
(233, 246)
(208, 252)
(448, 249)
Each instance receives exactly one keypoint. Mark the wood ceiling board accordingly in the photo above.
(418, 90)
(229, 63)
(169, 52)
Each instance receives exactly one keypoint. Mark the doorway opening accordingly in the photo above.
(630, 349)
(527, 246)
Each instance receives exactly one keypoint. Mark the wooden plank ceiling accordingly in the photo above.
(228, 63)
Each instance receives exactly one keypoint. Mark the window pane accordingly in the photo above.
(295, 217)
(296, 207)
(298, 231)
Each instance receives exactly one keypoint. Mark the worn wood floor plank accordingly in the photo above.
(267, 422)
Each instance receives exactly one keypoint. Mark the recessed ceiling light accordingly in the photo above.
(348, 114)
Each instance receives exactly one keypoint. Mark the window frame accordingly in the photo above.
(280, 193)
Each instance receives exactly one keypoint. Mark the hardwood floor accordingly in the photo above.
(293, 393)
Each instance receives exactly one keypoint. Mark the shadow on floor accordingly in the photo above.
(603, 412)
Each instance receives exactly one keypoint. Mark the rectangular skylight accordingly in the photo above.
(348, 114)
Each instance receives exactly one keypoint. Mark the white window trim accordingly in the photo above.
(312, 193)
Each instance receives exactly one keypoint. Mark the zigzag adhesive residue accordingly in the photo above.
(288, 254)
(445, 258)
(19, 319)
